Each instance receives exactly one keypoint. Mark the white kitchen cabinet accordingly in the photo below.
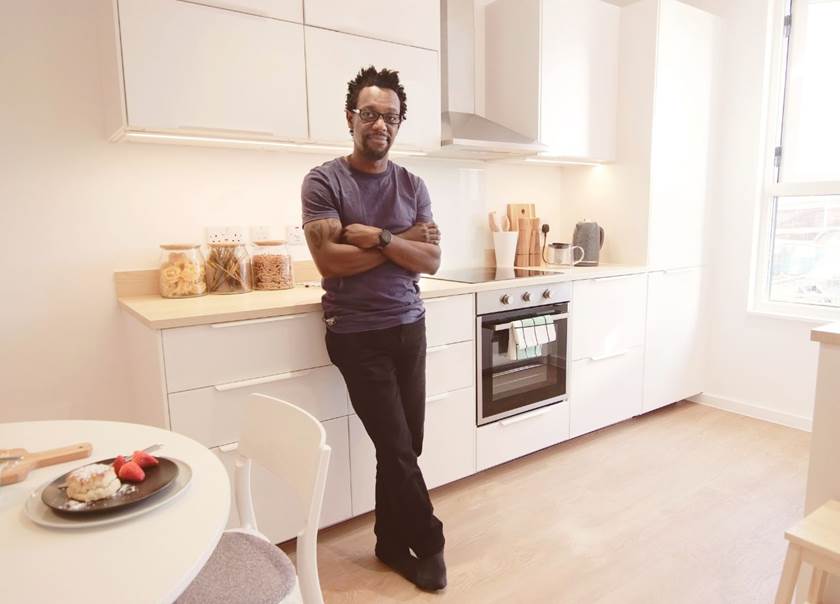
(605, 390)
(275, 504)
(333, 58)
(449, 367)
(552, 73)
(607, 315)
(412, 22)
(196, 69)
(519, 435)
(448, 447)
(288, 10)
(674, 343)
(450, 319)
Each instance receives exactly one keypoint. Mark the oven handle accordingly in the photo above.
(504, 326)
(525, 416)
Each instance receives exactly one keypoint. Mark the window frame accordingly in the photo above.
(781, 48)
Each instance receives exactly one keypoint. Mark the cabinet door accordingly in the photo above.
(674, 342)
(288, 10)
(685, 64)
(605, 391)
(403, 21)
(198, 69)
(274, 502)
(332, 59)
(450, 319)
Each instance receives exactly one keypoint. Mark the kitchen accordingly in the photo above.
(83, 208)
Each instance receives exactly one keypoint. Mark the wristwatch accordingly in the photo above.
(384, 238)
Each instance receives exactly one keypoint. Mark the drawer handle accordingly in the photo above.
(262, 380)
(616, 278)
(609, 355)
(439, 299)
(229, 447)
(524, 416)
(674, 271)
(438, 348)
(437, 397)
(255, 321)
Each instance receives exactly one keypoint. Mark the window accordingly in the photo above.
(799, 256)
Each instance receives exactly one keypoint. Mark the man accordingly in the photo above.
(369, 226)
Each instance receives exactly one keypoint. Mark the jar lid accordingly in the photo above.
(264, 242)
(178, 246)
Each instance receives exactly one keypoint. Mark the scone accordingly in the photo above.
(96, 481)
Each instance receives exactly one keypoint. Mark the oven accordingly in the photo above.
(512, 380)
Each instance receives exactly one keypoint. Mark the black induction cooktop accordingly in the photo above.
(483, 274)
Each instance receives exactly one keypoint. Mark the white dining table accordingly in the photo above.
(149, 558)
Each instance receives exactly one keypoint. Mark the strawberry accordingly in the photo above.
(144, 460)
(119, 462)
(131, 472)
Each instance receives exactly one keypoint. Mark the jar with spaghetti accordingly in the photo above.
(272, 265)
(181, 271)
(228, 269)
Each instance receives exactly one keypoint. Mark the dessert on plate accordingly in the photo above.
(92, 482)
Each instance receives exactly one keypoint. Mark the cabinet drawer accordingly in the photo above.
(519, 435)
(449, 367)
(604, 391)
(288, 10)
(448, 447)
(449, 320)
(212, 416)
(274, 503)
(207, 355)
(607, 315)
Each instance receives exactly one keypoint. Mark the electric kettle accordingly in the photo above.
(590, 237)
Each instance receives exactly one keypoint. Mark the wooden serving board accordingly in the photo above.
(515, 211)
(18, 470)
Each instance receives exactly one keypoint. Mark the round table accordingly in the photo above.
(150, 558)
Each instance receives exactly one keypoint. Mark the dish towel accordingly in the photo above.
(527, 337)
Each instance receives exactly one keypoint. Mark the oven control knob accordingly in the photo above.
(526, 296)
(547, 294)
(505, 299)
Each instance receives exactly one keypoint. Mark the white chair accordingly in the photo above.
(245, 567)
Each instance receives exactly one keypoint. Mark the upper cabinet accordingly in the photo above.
(551, 73)
(196, 69)
(412, 22)
(333, 58)
(288, 10)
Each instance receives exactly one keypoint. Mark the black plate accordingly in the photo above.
(157, 479)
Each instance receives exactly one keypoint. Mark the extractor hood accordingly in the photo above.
(464, 132)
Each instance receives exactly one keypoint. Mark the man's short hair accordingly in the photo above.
(369, 76)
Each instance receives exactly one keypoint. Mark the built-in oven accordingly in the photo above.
(512, 376)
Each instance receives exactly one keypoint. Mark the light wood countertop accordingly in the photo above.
(827, 334)
(161, 313)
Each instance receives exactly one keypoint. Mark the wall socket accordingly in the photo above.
(294, 235)
(260, 232)
(225, 234)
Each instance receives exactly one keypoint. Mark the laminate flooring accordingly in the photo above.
(687, 504)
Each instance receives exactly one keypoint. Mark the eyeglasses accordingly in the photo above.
(368, 116)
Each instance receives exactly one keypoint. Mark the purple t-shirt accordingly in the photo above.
(395, 199)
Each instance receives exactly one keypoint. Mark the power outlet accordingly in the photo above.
(294, 235)
(225, 234)
(261, 232)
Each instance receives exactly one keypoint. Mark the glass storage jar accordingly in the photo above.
(181, 271)
(272, 265)
(228, 269)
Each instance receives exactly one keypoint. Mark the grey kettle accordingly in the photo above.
(590, 237)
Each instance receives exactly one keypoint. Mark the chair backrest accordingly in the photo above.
(291, 444)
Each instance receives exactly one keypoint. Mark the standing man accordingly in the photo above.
(369, 226)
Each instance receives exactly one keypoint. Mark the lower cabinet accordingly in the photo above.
(448, 446)
(605, 390)
(276, 507)
(519, 435)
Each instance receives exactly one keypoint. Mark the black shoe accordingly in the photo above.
(401, 561)
(431, 572)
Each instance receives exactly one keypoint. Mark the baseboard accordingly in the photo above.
(752, 410)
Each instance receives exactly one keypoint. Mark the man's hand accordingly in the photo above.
(424, 232)
(361, 235)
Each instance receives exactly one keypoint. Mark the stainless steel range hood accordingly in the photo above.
(464, 132)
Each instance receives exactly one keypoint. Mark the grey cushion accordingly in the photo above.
(243, 569)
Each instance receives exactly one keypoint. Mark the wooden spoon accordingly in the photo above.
(17, 471)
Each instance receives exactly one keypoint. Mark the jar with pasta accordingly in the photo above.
(181, 271)
(272, 265)
(228, 269)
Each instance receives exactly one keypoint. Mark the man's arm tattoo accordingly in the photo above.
(318, 233)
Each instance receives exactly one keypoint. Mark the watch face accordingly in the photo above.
(384, 238)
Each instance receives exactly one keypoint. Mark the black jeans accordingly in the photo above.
(385, 373)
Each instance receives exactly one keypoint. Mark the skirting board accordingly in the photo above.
(751, 410)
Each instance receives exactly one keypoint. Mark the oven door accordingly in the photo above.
(511, 380)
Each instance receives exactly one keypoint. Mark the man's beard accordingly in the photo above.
(375, 154)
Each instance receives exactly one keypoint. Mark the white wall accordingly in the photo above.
(75, 208)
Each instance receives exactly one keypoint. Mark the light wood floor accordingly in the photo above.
(684, 505)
